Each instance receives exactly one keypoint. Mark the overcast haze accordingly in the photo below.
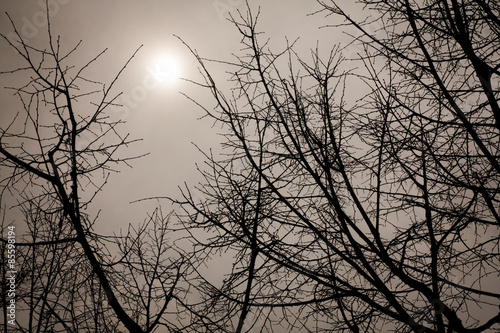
(165, 120)
(156, 82)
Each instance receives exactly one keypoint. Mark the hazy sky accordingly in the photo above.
(165, 120)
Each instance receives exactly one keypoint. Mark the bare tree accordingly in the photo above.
(55, 158)
(359, 212)
(354, 193)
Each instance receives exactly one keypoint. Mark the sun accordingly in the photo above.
(166, 69)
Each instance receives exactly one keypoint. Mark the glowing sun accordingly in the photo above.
(166, 69)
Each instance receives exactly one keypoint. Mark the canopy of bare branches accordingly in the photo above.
(358, 189)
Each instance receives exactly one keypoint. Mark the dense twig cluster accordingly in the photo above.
(361, 213)
(357, 192)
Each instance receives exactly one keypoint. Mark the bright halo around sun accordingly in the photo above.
(166, 69)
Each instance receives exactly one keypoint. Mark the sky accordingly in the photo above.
(166, 121)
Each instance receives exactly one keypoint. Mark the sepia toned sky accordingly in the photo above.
(166, 121)
(157, 112)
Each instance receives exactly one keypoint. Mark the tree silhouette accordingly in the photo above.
(56, 156)
(358, 192)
